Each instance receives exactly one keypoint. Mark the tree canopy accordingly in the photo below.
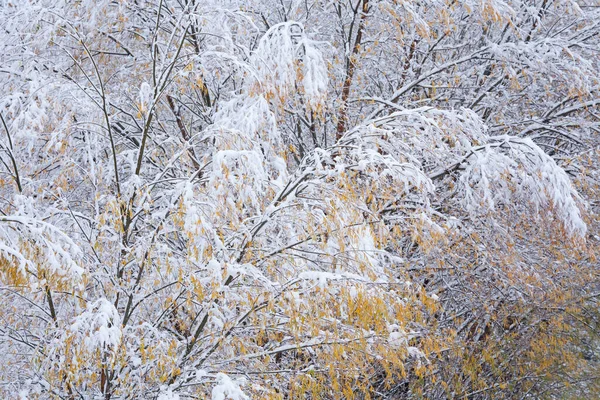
(304, 199)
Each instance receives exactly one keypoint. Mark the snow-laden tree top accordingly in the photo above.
(298, 199)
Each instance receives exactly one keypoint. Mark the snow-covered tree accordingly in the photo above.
(299, 199)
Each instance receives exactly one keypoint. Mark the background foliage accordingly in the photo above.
(299, 199)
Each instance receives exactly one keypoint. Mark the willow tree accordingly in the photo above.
(298, 199)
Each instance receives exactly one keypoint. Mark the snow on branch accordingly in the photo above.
(277, 57)
(56, 251)
(513, 170)
(490, 170)
(99, 326)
